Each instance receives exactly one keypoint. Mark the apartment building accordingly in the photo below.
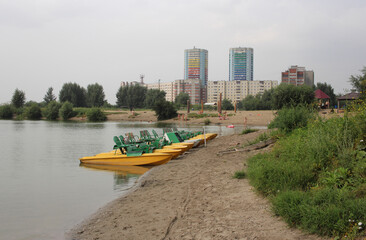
(297, 76)
(237, 90)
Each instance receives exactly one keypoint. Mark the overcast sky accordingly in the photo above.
(46, 43)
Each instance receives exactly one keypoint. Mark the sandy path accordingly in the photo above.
(193, 197)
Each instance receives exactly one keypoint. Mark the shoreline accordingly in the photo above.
(192, 197)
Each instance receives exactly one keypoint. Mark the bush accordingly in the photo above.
(316, 175)
(52, 110)
(6, 112)
(207, 121)
(33, 112)
(96, 115)
(290, 118)
(66, 111)
(165, 110)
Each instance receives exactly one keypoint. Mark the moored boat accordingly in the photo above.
(124, 160)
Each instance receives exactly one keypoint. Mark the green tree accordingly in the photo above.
(95, 95)
(74, 94)
(182, 98)
(6, 112)
(131, 96)
(165, 110)
(49, 97)
(328, 89)
(33, 112)
(227, 105)
(96, 115)
(18, 99)
(52, 110)
(286, 95)
(66, 110)
(359, 82)
(152, 96)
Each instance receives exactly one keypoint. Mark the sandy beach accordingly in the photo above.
(192, 197)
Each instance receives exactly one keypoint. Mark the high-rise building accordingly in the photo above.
(241, 64)
(196, 65)
(296, 75)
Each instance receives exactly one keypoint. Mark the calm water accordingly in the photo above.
(43, 190)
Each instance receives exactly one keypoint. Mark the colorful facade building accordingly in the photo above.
(297, 76)
(196, 65)
(241, 64)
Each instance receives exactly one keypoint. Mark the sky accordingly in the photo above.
(46, 43)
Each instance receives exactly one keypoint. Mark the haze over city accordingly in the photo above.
(48, 43)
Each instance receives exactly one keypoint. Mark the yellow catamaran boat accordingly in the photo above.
(124, 160)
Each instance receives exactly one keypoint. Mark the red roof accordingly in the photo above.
(320, 94)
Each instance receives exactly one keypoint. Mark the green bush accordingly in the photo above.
(66, 110)
(6, 112)
(165, 110)
(316, 176)
(33, 112)
(288, 119)
(52, 110)
(96, 115)
(207, 121)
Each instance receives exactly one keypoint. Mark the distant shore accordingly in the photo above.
(251, 118)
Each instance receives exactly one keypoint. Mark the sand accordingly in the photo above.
(192, 197)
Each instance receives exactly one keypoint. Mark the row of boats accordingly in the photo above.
(147, 149)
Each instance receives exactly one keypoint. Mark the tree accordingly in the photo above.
(359, 82)
(66, 110)
(182, 99)
(227, 105)
(165, 110)
(52, 110)
(131, 96)
(286, 95)
(95, 95)
(74, 94)
(153, 96)
(6, 112)
(33, 112)
(49, 97)
(327, 89)
(18, 99)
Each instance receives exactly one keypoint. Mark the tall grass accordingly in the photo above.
(316, 176)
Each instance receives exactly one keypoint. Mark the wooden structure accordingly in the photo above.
(323, 98)
(349, 97)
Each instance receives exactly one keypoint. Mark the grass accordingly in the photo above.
(203, 115)
(239, 174)
(248, 130)
(315, 176)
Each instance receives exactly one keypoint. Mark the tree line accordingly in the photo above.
(131, 97)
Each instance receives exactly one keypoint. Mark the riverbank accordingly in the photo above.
(192, 197)
(253, 118)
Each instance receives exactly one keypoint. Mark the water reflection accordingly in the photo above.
(122, 174)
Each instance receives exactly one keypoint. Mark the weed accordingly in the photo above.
(248, 130)
(239, 174)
